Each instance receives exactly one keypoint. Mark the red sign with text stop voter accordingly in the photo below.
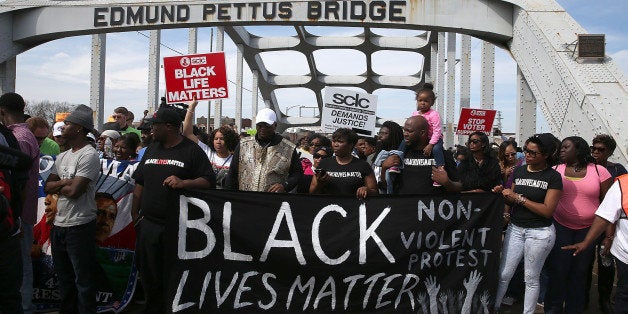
(203, 76)
(472, 120)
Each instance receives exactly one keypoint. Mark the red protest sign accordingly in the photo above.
(203, 76)
(472, 120)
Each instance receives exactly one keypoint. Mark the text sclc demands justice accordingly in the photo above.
(200, 76)
(349, 109)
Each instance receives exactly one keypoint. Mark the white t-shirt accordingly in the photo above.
(218, 163)
(611, 210)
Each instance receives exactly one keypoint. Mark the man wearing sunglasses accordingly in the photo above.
(40, 128)
(261, 163)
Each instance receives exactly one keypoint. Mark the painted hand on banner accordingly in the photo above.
(443, 302)
(423, 302)
(471, 284)
(484, 299)
(451, 296)
(432, 290)
(460, 298)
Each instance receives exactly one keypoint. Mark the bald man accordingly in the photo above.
(419, 173)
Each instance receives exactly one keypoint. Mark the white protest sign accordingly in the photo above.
(345, 108)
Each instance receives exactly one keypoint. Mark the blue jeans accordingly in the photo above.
(74, 258)
(567, 273)
(10, 275)
(532, 244)
(390, 176)
(438, 154)
(621, 294)
(27, 267)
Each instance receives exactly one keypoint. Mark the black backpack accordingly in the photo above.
(15, 172)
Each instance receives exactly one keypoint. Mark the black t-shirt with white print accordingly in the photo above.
(344, 179)
(533, 186)
(415, 177)
(185, 160)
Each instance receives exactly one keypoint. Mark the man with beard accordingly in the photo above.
(419, 172)
(260, 163)
(172, 162)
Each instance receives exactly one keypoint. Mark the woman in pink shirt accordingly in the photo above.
(584, 186)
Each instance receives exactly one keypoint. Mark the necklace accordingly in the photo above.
(530, 170)
(576, 168)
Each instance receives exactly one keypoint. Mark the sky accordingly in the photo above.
(60, 70)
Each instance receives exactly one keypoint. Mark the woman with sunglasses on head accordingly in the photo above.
(344, 174)
(585, 185)
(602, 148)
(479, 171)
(530, 235)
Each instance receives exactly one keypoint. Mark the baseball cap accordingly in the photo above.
(57, 128)
(166, 115)
(266, 115)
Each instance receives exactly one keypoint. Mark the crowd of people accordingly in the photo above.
(562, 207)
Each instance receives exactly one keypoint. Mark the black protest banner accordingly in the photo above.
(253, 252)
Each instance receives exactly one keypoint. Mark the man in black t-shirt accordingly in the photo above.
(416, 176)
(170, 163)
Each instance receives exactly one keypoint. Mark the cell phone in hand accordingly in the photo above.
(320, 171)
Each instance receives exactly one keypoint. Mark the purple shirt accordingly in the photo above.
(28, 145)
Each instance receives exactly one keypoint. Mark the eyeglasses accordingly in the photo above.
(317, 156)
(474, 141)
(510, 155)
(532, 153)
(599, 149)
